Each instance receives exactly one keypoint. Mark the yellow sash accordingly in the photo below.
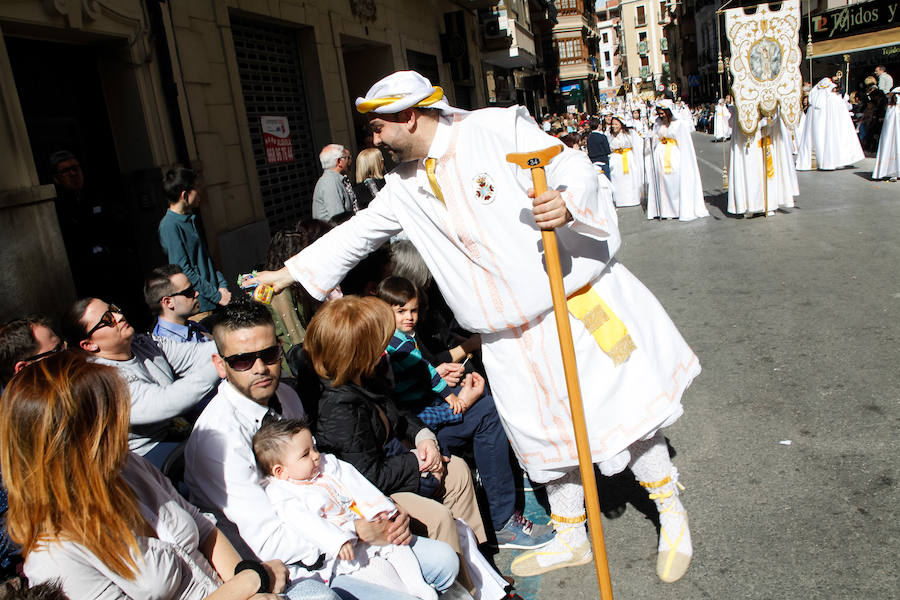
(602, 323)
(667, 155)
(624, 152)
(765, 142)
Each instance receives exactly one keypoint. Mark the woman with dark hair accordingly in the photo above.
(887, 161)
(625, 162)
(676, 191)
(98, 518)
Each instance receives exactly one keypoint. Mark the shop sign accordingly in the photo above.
(855, 19)
(277, 139)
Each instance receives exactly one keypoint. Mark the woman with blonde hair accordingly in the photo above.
(369, 175)
(102, 520)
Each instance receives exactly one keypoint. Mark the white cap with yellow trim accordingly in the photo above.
(402, 90)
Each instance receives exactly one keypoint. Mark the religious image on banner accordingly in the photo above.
(765, 63)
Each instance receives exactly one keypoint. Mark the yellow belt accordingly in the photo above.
(607, 329)
(624, 152)
(765, 143)
(667, 155)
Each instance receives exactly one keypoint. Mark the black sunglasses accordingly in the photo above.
(187, 292)
(107, 319)
(242, 362)
(59, 348)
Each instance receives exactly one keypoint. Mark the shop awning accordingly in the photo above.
(855, 43)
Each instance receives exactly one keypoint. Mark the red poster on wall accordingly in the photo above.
(277, 139)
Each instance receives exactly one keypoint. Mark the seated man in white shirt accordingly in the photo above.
(166, 378)
(169, 295)
(221, 471)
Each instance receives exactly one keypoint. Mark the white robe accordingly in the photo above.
(626, 187)
(485, 255)
(887, 162)
(746, 193)
(679, 193)
(721, 122)
(829, 131)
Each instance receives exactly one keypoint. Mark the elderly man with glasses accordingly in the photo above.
(166, 378)
(334, 193)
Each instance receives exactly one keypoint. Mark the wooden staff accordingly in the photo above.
(536, 161)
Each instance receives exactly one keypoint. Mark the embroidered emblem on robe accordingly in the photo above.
(484, 188)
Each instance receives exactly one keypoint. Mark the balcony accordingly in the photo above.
(664, 45)
(642, 48)
(507, 44)
(665, 69)
(645, 73)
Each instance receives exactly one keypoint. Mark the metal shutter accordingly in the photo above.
(268, 61)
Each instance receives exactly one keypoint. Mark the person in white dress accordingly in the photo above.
(471, 217)
(828, 131)
(887, 161)
(721, 122)
(626, 163)
(674, 188)
(764, 156)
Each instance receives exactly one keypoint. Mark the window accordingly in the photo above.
(645, 61)
(641, 17)
(642, 36)
(662, 10)
(567, 4)
(609, 77)
(605, 38)
(606, 58)
(569, 49)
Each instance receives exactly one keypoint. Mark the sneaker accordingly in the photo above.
(519, 532)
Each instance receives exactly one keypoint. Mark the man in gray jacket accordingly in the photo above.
(166, 378)
(334, 192)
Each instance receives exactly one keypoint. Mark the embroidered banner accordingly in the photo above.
(765, 63)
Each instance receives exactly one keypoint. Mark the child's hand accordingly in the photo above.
(456, 404)
(451, 372)
(472, 389)
(346, 551)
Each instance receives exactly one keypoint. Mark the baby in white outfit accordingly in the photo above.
(325, 496)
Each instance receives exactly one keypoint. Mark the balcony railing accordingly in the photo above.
(664, 45)
(665, 69)
(643, 48)
(645, 72)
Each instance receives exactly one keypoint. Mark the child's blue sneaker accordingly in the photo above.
(519, 532)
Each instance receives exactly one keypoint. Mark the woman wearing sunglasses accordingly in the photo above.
(166, 378)
(103, 520)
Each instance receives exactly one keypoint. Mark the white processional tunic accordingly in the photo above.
(484, 250)
(674, 187)
(721, 122)
(748, 168)
(887, 162)
(626, 162)
(828, 131)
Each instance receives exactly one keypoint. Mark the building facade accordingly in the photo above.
(133, 87)
(646, 46)
(575, 45)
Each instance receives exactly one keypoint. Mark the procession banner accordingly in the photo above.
(765, 63)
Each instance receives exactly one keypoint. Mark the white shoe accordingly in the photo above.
(675, 549)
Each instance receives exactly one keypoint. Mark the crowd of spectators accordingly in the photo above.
(128, 457)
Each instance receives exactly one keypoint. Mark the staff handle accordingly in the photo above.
(585, 462)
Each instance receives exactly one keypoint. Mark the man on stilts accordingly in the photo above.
(467, 211)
